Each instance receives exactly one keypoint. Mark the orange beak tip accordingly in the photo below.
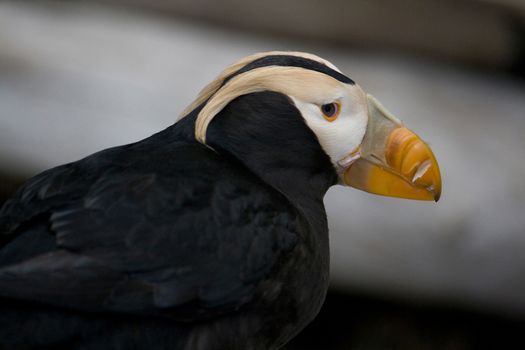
(409, 170)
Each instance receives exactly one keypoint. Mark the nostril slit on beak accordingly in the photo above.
(421, 170)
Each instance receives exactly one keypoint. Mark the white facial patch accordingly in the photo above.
(342, 136)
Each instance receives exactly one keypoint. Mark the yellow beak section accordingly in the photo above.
(393, 160)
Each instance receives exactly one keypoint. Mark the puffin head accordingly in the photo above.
(297, 105)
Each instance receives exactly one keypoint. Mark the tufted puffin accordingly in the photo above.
(212, 233)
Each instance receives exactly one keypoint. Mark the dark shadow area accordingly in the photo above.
(517, 68)
(8, 185)
(361, 322)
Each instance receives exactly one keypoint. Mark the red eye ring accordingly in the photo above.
(331, 111)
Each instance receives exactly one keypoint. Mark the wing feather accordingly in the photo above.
(145, 240)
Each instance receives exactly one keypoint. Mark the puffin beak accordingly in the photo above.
(392, 160)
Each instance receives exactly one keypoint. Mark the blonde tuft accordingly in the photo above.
(212, 87)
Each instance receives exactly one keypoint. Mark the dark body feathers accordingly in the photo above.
(166, 243)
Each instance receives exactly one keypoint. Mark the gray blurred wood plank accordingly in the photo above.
(469, 31)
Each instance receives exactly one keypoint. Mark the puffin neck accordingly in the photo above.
(266, 133)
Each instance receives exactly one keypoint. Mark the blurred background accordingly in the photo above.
(80, 76)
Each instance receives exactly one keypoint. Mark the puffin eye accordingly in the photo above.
(331, 111)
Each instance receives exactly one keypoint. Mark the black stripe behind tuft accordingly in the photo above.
(291, 61)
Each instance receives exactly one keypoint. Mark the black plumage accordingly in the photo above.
(169, 244)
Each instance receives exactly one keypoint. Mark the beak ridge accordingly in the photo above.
(394, 161)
